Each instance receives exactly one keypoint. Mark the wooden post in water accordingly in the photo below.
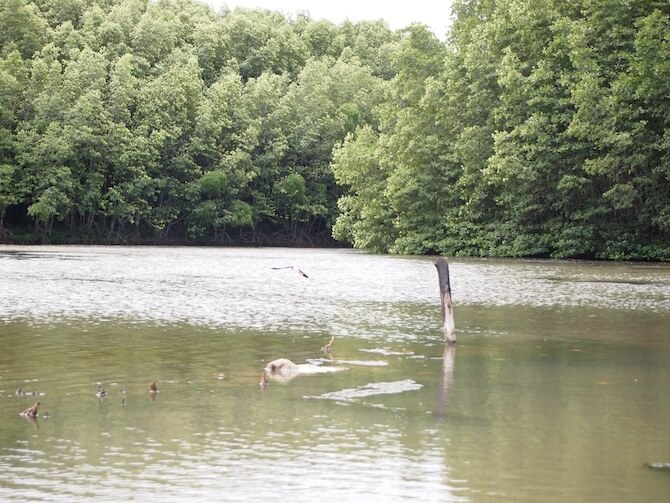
(445, 297)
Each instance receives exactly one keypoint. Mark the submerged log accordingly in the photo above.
(447, 303)
(284, 370)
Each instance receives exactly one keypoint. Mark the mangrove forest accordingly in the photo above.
(533, 128)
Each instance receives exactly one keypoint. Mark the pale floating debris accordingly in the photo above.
(659, 466)
(309, 368)
(387, 352)
(284, 370)
(363, 363)
(372, 389)
(317, 361)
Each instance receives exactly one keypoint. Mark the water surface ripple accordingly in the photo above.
(347, 290)
(556, 390)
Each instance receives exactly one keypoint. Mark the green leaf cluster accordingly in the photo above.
(143, 121)
(541, 128)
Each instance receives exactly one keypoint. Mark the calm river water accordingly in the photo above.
(558, 389)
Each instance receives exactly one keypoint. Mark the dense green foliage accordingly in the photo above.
(545, 131)
(539, 128)
(135, 121)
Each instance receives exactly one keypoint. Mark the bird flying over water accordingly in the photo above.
(294, 268)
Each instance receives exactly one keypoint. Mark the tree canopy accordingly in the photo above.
(543, 131)
(538, 128)
(141, 121)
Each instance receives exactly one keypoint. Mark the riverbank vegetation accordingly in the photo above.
(538, 128)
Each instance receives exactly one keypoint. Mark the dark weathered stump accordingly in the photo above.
(446, 301)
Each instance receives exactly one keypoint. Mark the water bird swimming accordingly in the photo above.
(101, 392)
(294, 268)
(31, 411)
(153, 390)
(19, 392)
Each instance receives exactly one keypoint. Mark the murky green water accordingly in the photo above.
(556, 391)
